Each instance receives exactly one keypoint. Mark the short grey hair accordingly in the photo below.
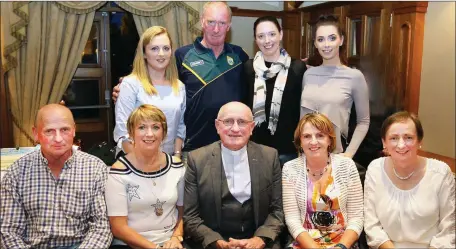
(206, 6)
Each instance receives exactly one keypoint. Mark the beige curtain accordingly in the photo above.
(41, 58)
(181, 19)
(13, 24)
(42, 43)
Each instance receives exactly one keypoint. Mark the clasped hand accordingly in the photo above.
(252, 243)
(172, 243)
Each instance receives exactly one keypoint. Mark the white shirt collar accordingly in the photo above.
(239, 152)
(237, 172)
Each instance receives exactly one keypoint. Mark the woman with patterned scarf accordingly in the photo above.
(274, 89)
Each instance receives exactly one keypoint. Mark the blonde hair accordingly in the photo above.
(322, 123)
(139, 64)
(146, 112)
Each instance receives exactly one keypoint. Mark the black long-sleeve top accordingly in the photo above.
(282, 140)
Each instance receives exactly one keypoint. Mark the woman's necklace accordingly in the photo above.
(159, 166)
(322, 171)
(158, 206)
(401, 177)
(153, 180)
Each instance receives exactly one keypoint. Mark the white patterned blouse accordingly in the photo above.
(421, 217)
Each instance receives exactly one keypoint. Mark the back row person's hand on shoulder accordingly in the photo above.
(305, 61)
(116, 90)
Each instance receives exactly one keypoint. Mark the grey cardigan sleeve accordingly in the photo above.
(361, 100)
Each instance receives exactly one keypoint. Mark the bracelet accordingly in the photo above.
(340, 245)
(177, 153)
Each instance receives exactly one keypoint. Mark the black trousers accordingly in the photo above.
(190, 244)
(120, 247)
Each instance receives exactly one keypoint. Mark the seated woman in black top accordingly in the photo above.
(274, 89)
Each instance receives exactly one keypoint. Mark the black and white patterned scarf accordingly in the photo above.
(262, 73)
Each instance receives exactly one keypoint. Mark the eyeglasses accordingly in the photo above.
(212, 24)
(230, 122)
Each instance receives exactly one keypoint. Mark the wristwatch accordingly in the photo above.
(178, 237)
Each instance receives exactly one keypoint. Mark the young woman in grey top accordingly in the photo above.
(332, 87)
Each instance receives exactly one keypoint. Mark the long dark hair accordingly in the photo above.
(329, 19)
(266, 19)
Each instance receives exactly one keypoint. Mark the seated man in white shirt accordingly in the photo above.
(233, 191)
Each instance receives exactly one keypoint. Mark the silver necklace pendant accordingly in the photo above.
(403, 177)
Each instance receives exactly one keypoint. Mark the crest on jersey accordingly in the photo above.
(230, 60)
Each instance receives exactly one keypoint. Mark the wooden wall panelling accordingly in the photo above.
(255, 13)
(354, 38)
(305, 45)
(401, 37)
(407, 50)
(448, 160)
(379, 57)
(341, 12)
(365, 8)
(321, 11)
(292, 33)
(291, 5)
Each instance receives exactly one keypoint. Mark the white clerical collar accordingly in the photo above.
(239, 152)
